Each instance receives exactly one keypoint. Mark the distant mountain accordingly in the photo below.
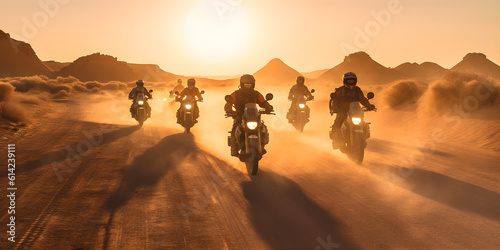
(18, 58)
(478, 63)
(314, 74)
(56, 66)
(98, 67)
(219, 78)
(276, 72)
(152, 72)
(105, 68)
(425, 72)
(367, 70)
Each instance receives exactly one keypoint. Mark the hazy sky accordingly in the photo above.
(228, 37)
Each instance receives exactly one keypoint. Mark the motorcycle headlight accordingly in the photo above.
(302, 105)
(188, 106)
(141, 102)
(252, 125)
(164, 98)
(356, 121)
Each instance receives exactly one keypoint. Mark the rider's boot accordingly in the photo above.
(132, 113)
(289, 116)
(234, 148)
(337, 139)
(178, 117)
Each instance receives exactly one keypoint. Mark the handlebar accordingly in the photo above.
(232, 114)
(263, 112)
(363, 109)
(307, 99)
(146, 98)
(178, 99)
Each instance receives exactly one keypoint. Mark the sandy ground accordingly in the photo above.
(89, 178)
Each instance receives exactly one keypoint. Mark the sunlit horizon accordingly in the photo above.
(231, 37)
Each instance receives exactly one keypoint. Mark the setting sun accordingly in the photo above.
(217, 31)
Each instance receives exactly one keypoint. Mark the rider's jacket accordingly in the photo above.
(298, 90)
(343, 96)
(133, 93)
(242, 97)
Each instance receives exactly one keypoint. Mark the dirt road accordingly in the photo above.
(83, 184)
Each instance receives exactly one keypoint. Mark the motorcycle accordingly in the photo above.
(141, 101)
(171, 104)
(251, 135)
(187, 111)
(355, 131)
(300, 113)
(162, 101)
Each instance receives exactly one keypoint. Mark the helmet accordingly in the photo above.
(247, 79)
(179, 81)
(350, 79)
(140, 83)
(300, 80)
(191, 82)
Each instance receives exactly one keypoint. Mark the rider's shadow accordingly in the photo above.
(148, 168)
(63, 154)
(286, 218)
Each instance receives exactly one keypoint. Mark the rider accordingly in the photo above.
(340, 103)
(246, 94)
(297, 90)
(194, 92)
(133, 94)
(179, 87)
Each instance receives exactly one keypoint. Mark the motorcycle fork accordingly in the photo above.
(259, 144)
(352, 131)
(351, 135)
(185, 113)
(247, 148)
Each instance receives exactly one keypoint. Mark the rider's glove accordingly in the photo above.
(370, 107)
(269, 108)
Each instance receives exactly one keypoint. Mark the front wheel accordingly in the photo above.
(357, 149)
(140, 117)
(187, 123)
(252, 161)
(301, 121)
(299, 126)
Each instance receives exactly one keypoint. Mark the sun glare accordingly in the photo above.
(217, 31)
